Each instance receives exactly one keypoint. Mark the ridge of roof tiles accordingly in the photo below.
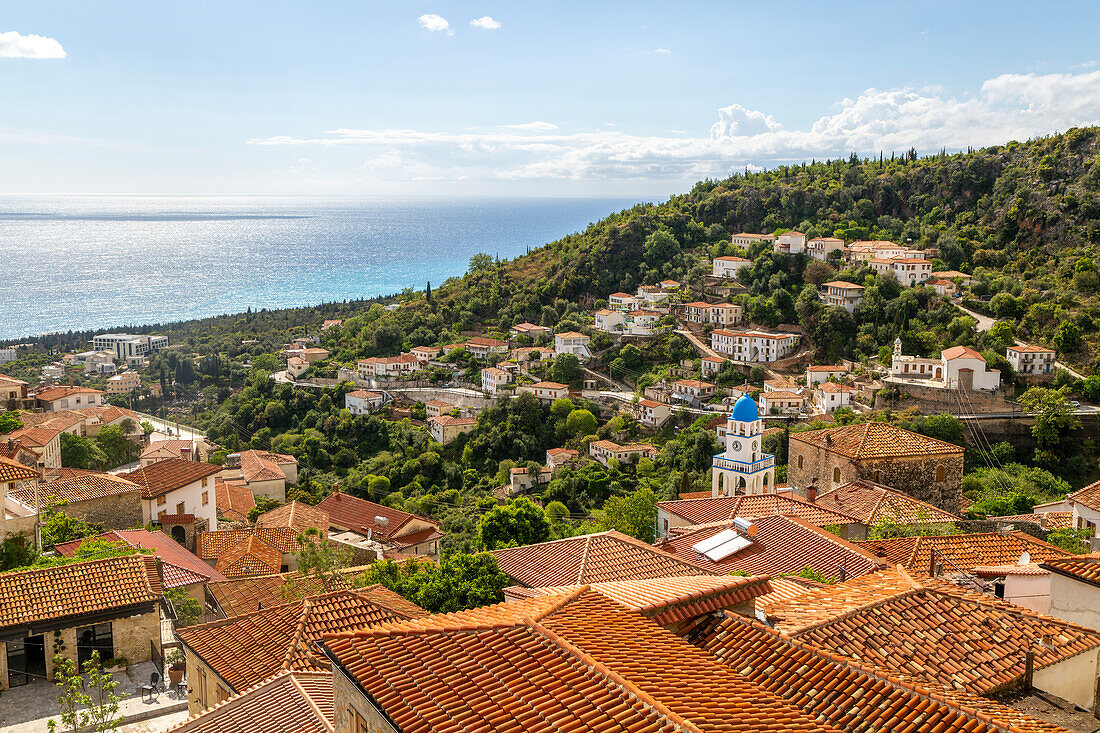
(246, 649)
(590, 558)
(962, 552)
(871, 503)
(853, 696)
(212, 545)
(1085, 568)
(1046, 520)
(1088, 496)
(11, 470)
(359, 515)
(875, 440)
(250, 556)
(178, 566)
(782, 545)
(233, 499)
(157, 479)
(713, 509)
(263, 466)
(576, 662)
(78, 589)
(77, 488)
(293, 701)
(238, 596)
(294, 515)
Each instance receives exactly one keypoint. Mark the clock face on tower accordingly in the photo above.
(737, 445)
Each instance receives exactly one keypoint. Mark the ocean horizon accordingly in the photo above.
(104, 262)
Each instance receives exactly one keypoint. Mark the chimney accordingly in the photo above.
(11, 443)
(811, 491)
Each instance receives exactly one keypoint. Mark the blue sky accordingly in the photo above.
(566, 98)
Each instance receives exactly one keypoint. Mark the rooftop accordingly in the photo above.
(871, 503)
(178, 566)
(296, 516)
(168, 475)
(360, 515)
(1088, 497)
(78, 488)
(289, 702)
(876, 440)
(701, 511)
(962, 552)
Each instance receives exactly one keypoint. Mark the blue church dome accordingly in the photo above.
(744, 410)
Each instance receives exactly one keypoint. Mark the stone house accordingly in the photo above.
(110, 501)
(111, 605)
(44, 442)
(923, 467)
(394, 529)
(1031, 362)
(53, 399)
(445, 428)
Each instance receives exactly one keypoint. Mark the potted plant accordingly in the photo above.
(177, 663)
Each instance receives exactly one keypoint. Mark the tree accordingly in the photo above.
(660, 247)
(1068, 337)
(10, 422)
(115, 445)
(263, 505)
(60, 527)
(566, 368)
(80, 452)
(188, 611)
(1001, 335)
(322, 559)
(480, 262)
(581, 423)
(87, 702)
(1053, 415)
(818, 272)
(520, 522)
(634, 515)
(460, 581)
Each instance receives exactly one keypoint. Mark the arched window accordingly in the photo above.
(741, 486)
(801, 461)
(721, 480)
(939, 474)
(876, 478)
(836, 475)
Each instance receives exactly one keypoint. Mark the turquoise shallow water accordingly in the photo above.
(81, 262)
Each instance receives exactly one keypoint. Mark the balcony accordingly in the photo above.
(726, 464)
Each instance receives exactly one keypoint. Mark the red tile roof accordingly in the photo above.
(1046, 520)
(212, 545)
(782, 545)
(37, 437)
(871, 503)
(295, 515)
(80, 488)
(244, 650)
(56, 393)
(78, 589)
(178, 566)
(701, 511)
(360, 515)
(168, 475)
(262, 466)
(875, 440)
(14, 471)
(290, 702)
(251, 556)
(1088, 497)
(233, 499)
(578, 662)
(591, 558)
(1085, 568)
(961, 352)
(169, 449)
(244, 595)
(962, 552)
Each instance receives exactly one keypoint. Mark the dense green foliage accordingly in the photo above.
(458, 582)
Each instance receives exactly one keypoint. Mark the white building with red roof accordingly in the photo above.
(752, 346)
(572, 342)
(53, 399)
(958, 367)
(728, 266)
(1034, 362)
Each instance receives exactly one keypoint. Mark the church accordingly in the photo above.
(741, 468)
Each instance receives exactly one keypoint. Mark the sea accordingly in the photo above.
(102, 262)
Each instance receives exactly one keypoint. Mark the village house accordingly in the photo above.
(670, 285)
(13, 393)
(872, 504)
(494, 380)
(331, 323)
(623, 302)
(176, 486)
(558, 457)
(530, 329)
(44, 442)
(746, 240)
(112, 502)
(956, 557)
(394, 529)
(123, 383)
(791, 242)
(110, 605)
(1073, 589)
(752, 346)
(953, 275)
(642, 322)
(943, 288)
(680, 513)
(53, 399)
(781, 402)
(159, 450)
(828, 396)
(652, 296)
(653, 414)
(780, 385)
(865, 250)
(909, 271)
(18, 491)
(313, 354)
(233, 500)
(53, 372)
(958, 367)
(388, 366)
(610, 321)
(296, 366)
(1031, 362)
(240, 553)
(692, 391)
(710, 365)
(1085, 507)
(572, 342)
(265, 474)
(842, 294)
(816, 374)
(719, 314)
(425, 353)
(481, 347)
(98, 363)
(819, 248)
(445, 428)
(728, 266)
(435, 408)
(604, 450)
(523, 480)
(929, 469)
(364, 401)
(548, 391)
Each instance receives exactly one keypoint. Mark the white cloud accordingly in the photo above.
(14, 45)
(486, 22)
(538, 125)
(658, 52)
(435, 23)
(1011, 106)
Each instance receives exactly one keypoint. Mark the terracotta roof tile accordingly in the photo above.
(875, 440)
(578, 662)
(38, 437)
(251, 556)
(1088, 497)
(81, 588)
(1046, 520)
(715, 509)
(11, 470)
(289, 702)
(605, 556)
(244, 650)
(79, 488)
(1081, 567)
(871, 503)
(56, 393)
(962, 552)
(233, 499)
(262, 466)
(295, 515)
(782, 545)
(172, 473)
(212, 545)
(360, 515)
(178, 566)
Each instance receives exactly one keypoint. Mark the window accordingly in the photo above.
(876, 477)
(801, 461)
(356, 722)
(836, 475)
(180, 508)
(205, 498)
(97, 638)
(162, 500)
(939, 474)
(204, 483)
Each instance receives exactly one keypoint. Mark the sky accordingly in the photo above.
(424, 97)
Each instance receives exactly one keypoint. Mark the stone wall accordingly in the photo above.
(929, 399)
(113, 512)
(915, 476)
(204, 688)
(348, 701)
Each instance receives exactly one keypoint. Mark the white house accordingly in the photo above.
(778, 402)
(652, 413)
(482, 347)
(548, 391)
(752, 346)
(728, 266)
(623, 301)
(53, 399)
(692, 391)
(530, 329)
(1031, 361)
(604, 450)
(494, 379)
(435, 408)
(363, 401)
(745, 240)
(953, 275)
(1074, 589)
(709, 365)
(791, 242)
(558, 457)
(910, 271)
(388, 366)
(611, 321)
(426, 353)
(843, 294)
(958, 367)
(816, 374)
(829, 396)
(572, 342)
(944, 288)
(642, 322)
(720, 314)
(819, 248)
(652, 296)
(742, 467)
(296, 366)
(177, 486)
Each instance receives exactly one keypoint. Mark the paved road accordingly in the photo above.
(985, 323)
(163, 430)
(700, 346)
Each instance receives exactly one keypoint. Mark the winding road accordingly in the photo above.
(985, 323)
